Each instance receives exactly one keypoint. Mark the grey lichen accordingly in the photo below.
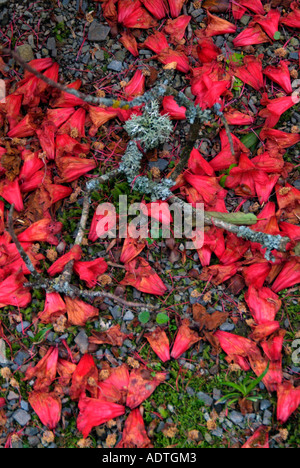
(267, 241)
(130, 166)
(131, 161)
(151, 128)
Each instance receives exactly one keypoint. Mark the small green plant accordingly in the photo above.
(61, 32)
(243, 390)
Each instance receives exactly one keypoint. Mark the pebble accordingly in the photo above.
(115, 65)
(33, 441)
(129, 316)
(20, 357)
(206, 399)
(267, 418)
(82, 342)
(12, 396)
(217, 432)
(236, 417)
(22, 326)
(116, 312)
(228, 327)
(98, 32)
(161, 164)
(294, 56)
(21, 417)
(265, 404)
(25, 52)
(3, 358)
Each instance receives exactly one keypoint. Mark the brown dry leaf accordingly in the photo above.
(3, 418)
(216, 6)
(245, 405)
(11, 162)
(85, 443)
(208, 321)
(113, 336)
(211, 425)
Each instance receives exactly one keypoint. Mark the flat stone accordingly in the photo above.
(115, 65)
(267, 418)
(21, 417)
(3, 2)
(82, 342)
(245, 19)
(294, 56)
(227, 326)
(98, 32)
(20, 357)
(265, 404)
(206, 399)
(22, 326)
(129, 316)
(12, 396)
(25, 52)
(236, 417)
(161, 164)
(3, 358)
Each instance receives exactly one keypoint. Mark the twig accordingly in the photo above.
(266, 240)
(20, 249)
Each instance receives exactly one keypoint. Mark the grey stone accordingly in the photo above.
(216, 394)
(265, 404)
(12, 396)
(129, 316)
(82, 342)
(116, 312)
(236, 417)
(217, 432)
(51, 44)
(3, 2)
(99, 55)
(267, 418)
(226, 326)
(21, 357)
(294, 56)
(98, 32)
(22, 326)
(24, 405)
(162, 164)
(115, 65)
(3, 358)
(245, 20)
(197, 12)
(21, 417)
(33, 441)
(25, 52)
(206, 399)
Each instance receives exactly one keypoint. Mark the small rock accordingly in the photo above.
(21, 417)
(25, 52)
(227, 326)
(294, 56)
(12, 396)
(20, 357)
(236, 417)
(267, 418)
(161, 164)
(3, 358)
(116, 312)
(217, 432)
(206, 399)
(33, 441)
(245, 20)
(82, 342)
(3, 2)
(265, 404)
(216, 394)
(22, 326)
(128, 317)
(51, 45)
(99, 55)
(115, 65)
(98, 32)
